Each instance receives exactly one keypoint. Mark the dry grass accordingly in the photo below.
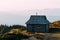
(55, 35)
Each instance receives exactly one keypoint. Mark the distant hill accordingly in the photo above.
(55, 24)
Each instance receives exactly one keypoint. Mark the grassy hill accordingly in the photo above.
(55, 24)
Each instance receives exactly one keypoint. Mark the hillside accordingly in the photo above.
(55, 24)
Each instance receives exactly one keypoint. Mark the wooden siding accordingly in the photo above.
(37, 28)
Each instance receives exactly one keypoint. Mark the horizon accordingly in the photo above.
(12, 18)
(21, 19)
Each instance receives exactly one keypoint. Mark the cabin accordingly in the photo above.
(37, 23)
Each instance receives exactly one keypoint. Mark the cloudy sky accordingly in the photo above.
(18, 11)
(8, 5)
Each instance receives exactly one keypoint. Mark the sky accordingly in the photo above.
(8, 5)
(18, 11)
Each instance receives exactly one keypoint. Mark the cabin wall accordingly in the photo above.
(47, 27)
(29, 28)
(37, 28)
(40, 28)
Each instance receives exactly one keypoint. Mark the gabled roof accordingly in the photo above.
(38, 19)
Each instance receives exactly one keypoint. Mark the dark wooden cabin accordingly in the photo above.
(38, 23)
